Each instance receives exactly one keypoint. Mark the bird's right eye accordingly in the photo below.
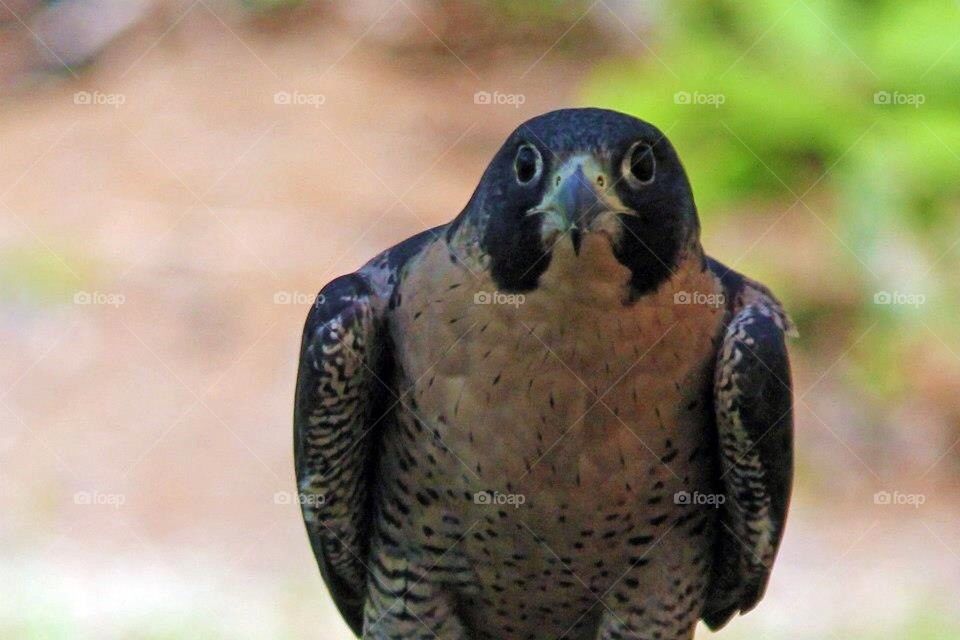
(527, 164)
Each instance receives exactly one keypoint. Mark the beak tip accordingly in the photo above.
(576, 238)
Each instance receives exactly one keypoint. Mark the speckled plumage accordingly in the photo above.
(473, 466)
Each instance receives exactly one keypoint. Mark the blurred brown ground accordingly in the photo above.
(216, 213)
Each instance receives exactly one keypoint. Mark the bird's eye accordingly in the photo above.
(639, 165)
(527, 164)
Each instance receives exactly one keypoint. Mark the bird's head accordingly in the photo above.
(574, 176)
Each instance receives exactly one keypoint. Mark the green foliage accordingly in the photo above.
(798, 81)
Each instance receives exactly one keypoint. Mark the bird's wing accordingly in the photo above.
(343, 402)
(340, 400)
(754, 416)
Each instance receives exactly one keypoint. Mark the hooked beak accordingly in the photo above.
(571, 205)
(578, 203)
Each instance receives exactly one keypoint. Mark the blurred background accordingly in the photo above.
(179, 177)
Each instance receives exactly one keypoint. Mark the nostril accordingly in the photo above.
(601, 182)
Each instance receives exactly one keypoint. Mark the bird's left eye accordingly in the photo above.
(527, 164)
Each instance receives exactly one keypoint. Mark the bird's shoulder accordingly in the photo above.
(741, 292)
(385, 270)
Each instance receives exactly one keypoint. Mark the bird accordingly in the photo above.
(553, 417)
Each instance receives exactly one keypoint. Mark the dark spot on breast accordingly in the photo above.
(423, 499)
(401, 506)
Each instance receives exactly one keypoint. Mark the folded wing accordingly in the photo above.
(754, 415)
(340, 401)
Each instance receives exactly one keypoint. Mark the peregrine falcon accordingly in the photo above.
(554, 416)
